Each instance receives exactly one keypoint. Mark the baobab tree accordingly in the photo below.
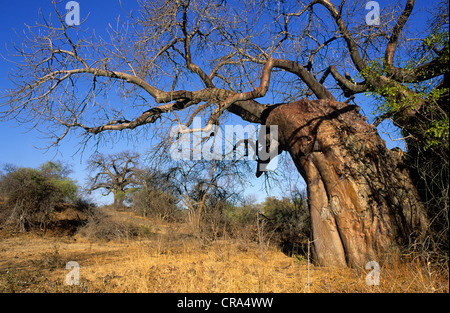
(114, 173)
(175, 60)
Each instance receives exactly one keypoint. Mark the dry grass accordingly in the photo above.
(169, 259)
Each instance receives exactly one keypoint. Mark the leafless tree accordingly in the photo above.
(113, 173)
(174, 60)
(206, 188)
(158, 194)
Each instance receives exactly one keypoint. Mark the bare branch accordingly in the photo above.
(393, 40)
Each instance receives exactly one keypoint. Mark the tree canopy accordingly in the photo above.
(113, 173)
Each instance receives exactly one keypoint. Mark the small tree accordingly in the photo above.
(206, 188)
(289, 219)
(158, 195)
(114, 173)
(31, 194)
(58, 174)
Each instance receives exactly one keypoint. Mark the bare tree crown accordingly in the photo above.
(113, 173)
(174, 60)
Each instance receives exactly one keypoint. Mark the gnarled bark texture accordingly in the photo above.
(362, 201)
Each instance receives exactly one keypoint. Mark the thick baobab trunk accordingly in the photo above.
(362, 202)
(117, 201)
(118, 198)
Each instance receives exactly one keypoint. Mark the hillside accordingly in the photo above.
(164, 257)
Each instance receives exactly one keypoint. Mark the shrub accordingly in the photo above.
(289, 220)
(31, 195)
(102, 226)
(214, 222)
(244, 215)
(30, 198)
(155, 203)
(243, 220)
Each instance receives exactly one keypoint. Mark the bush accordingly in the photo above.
(244, 215)
(31, 196)
(102, 226)
(30, 199)
(243, 220)
(57, 174)
(214, 222)
(289, 220)
(155, 203)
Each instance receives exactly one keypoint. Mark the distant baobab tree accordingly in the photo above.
(114, 173)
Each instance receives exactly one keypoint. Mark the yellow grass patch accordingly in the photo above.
(170, 260)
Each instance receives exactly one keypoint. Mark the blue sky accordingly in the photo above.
(21, 147)
(26, 148)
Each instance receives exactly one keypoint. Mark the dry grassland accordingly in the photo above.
(170, 260)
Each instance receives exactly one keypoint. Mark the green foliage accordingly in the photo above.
(57, 174)
(395, 97)
(67, 188)
(26, 184)
(244, 215)
(391, 96)
(437, 134)
(54, 170)
(289, 220)
(426, 130)
(31, 194)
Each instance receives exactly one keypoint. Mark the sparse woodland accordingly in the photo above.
(156, 242)
(184, 225)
